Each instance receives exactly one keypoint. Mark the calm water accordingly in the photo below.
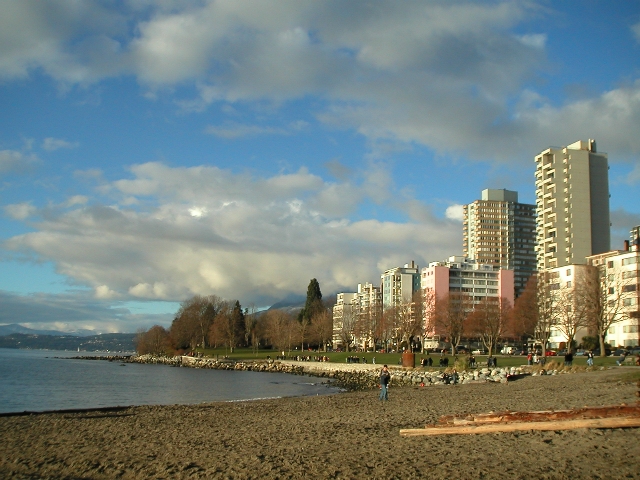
(34, 380)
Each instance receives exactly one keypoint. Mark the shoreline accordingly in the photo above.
(351, 435)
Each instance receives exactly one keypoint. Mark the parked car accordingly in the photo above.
(550, 353)
(479, 351)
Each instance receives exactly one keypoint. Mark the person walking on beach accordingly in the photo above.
(590, 358)
(385, 378)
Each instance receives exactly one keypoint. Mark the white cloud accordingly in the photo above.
(446, 75)
(14, 161)
(104, 292)
(51, 144)
(234, 130)
(260, 239)
(538, 40)
(75, 311)
(20, 211)
(455, 212)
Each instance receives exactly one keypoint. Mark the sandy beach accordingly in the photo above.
(350, 435)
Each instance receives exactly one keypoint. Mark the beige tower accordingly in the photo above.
(572, 205)
(500, 231)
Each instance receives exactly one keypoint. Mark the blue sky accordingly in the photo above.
(154, 150)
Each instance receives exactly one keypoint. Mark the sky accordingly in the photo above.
(152, 150)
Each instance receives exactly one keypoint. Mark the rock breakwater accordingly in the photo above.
(348, 376)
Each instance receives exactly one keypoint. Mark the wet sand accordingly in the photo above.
(350, 435)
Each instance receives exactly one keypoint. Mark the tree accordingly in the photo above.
(313, 303)
(373, 319)
(451, 312)
(525, 312)
(228, 326)
(386, 326)
(489, 321)
(278, 327)
(193, 320)
(603, 295)
(251, 327)
(408, 320)
(322, 328)
(347, 324)
(546, 310)
(154, 341)
(571, 314)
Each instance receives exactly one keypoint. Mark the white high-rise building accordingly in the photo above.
(572, 205)
(500, 231)
(399, 285)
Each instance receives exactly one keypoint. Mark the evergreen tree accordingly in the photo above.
(313, 304)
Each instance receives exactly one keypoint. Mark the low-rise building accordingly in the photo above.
(459, 274)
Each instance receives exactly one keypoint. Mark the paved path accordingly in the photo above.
(334, 366)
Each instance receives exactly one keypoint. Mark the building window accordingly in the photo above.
(612, 330)
(629, 288)
(630, 329)
(568, 272)
(611, 290)
(610, 264)
(629, 261)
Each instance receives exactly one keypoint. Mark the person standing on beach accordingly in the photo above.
(385, 378)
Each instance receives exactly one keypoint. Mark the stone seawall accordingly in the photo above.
(348, 376)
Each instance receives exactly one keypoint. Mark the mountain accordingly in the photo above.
(17, 328)
(111, 342)
(291, 302)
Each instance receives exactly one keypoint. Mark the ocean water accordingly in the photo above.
(44, 380)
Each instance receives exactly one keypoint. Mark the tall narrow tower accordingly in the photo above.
(572, 205)
(500, 231)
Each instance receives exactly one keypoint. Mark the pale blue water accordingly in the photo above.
(35, 381)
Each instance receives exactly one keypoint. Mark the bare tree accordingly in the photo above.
(571, 315)
(489, 321)
(154, 341)
(228, 325)
(546, 310)
(347, 325)
(604, 295)
(322, 327)
(278, 327)
(409, 319)
(451, 313)
(251, 328)
(428, 326)
(193, 320)
(371, 323)
(386, 326)
(525, 312)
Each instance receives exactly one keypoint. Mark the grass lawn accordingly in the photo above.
(392, 358)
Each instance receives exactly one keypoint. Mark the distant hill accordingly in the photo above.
(17, 328)
(111, 342)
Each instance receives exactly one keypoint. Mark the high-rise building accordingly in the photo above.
(500, 231)
(572, 205)
(399, 285)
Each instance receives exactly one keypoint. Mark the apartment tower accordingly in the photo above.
(572, 205)
(501, 232)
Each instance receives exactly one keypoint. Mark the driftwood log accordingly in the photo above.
(621, 416)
